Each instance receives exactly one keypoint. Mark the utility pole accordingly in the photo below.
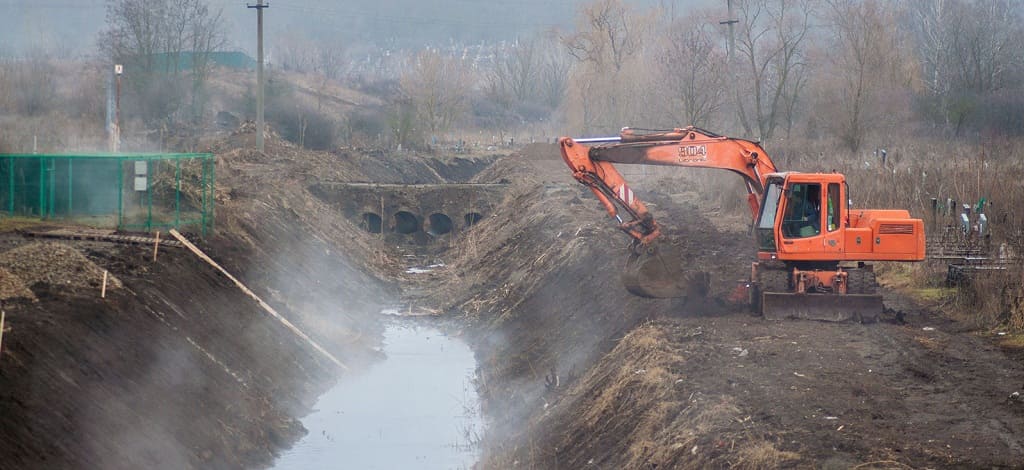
(731, 21)
(732, 24)
(259, 6)
(115, 141)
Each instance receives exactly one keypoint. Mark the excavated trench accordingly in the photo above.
(418, 405)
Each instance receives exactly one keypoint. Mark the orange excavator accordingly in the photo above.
(813, 248)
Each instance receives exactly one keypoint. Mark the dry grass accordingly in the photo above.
(931, 344)
(1012, 342)
(758, 455)
(12, 287)
(11, 224)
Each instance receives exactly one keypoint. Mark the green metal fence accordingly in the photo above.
(132, 192)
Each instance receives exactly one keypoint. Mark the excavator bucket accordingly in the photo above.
(865, 308)
(656, 272)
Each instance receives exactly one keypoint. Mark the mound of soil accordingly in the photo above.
(12, 287)
(55, 265)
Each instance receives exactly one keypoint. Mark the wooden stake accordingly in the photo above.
(103, 290)
(284, 321)
(156, 245)
(3, 316)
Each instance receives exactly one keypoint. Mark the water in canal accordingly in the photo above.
(416, 409)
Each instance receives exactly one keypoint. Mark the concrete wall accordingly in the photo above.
(417, 214)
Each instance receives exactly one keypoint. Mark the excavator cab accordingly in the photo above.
(802, 217)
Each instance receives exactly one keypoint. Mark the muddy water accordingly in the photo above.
(416, 409)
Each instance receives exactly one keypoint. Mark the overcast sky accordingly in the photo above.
(73, 25)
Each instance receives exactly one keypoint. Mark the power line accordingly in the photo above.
(410, 20)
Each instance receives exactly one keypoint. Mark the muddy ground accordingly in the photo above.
(178, 369)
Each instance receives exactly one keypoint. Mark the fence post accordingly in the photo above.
(70, 188)
(3, 317)
(10, 182)
(118, 164)
(42, 189)
(177, 194)
(149, 194)
(202, 211)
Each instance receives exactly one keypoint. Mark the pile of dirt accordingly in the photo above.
(56, 265)
(12, 287)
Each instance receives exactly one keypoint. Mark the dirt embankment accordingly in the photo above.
(575, 372)
(176, 368)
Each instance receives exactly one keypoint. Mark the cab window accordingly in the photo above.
(802, 217)
(766, 220)
(833, 217)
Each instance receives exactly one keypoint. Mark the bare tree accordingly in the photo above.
(329, 66)
(691, 71)
(401, 120)
(438, 87)
(294, 52)
(606, 84)
(513, 77)
(608, 34)
(770, 42)
(553, 73)
(206, 35)
(968, 48)
(159, 40)
(861, 56)
(28, 84)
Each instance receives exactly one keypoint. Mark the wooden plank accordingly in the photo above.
(284, 321)
(103, 237)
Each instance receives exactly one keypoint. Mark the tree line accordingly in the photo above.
(851, 70)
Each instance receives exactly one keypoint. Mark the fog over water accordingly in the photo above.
(418, 408)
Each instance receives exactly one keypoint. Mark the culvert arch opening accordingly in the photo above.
(439, 224)
(372, 222)
(406, 223)
(473, 218)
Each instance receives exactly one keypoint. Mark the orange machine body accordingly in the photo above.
(837, 232)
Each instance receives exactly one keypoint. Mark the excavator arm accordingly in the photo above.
(651, 271)
(592, 163)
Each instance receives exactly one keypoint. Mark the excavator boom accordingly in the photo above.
(591, 161)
